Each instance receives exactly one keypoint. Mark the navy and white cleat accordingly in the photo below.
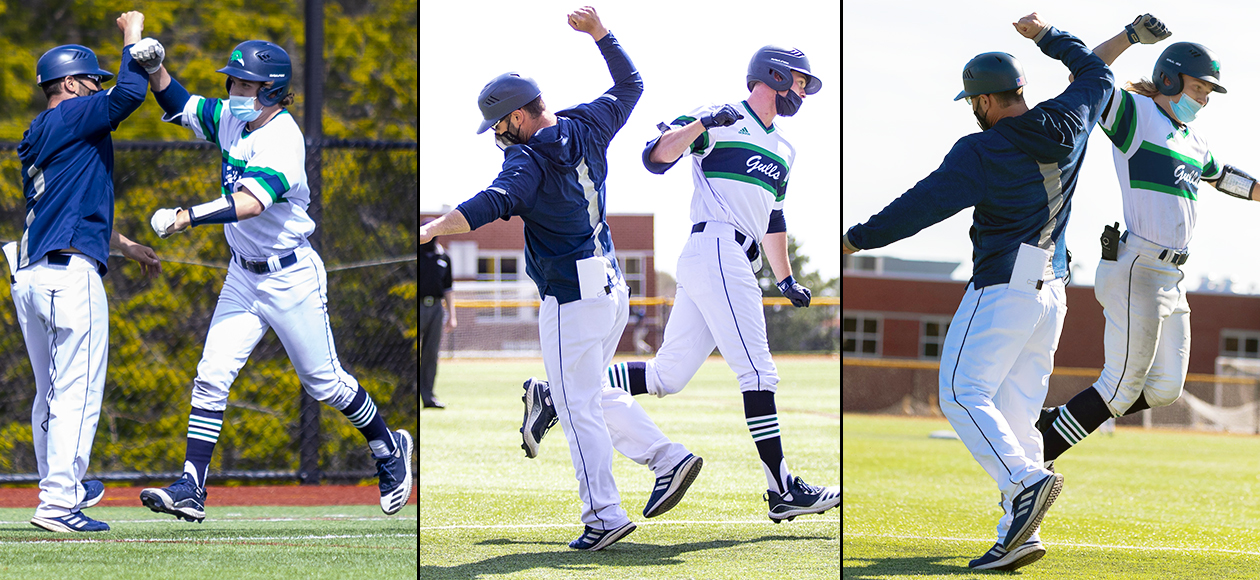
(997, 558)
(540, 416)
(395, 474)
(800, 499)
(183, 499)
(72, 522)
(669, 488)
(593, 539)
(1029, 507)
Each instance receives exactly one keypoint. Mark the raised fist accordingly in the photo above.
(724, 117)
(1146, 29)
(149, 53)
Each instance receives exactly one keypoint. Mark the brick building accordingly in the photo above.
(902, 315)
(489, 264)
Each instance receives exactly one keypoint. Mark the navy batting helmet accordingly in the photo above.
(1190, 59)
(770, 59)
(506, 93)
(261, 61)
(991, 72)
(68, 60)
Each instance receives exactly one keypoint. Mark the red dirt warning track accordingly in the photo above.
(286, 495)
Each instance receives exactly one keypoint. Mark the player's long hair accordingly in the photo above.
(1144, 87)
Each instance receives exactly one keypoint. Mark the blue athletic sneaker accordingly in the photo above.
(593, 539)
(1029, 507)
(183, 499)
(72, 522)
(670, 487)
(395, 474)
(93, 491)
(997, 558)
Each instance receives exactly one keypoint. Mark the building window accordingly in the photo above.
(932, 337)
(1240, 343)
(501, 279)
(861, 335)
(632, 267)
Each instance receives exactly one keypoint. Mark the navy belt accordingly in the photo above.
(1165, 255)
(752, 252)
(264, 266)
(63, 259)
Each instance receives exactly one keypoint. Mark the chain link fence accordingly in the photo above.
(367, 222)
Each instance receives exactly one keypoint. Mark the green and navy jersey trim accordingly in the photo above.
(702, 142)
(272, 181)
(1152, 165)
(748, 163)
(752, 114)
(208, 115)
(1125, 127)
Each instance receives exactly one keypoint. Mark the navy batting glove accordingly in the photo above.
(799, 295)
(724, 117)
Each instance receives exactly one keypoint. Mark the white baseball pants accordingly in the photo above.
(64, 318)
(292, 301)
(718, 304)
(995, 371)
(1147, 332)
(578, 340)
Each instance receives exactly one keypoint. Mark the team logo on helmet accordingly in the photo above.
(236, 57)
(1216, 67)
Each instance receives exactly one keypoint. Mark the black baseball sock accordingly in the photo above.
(630, 377)
(203, 434)
(1077, 419)
(362, 414)
(1139, 405)
(763, 424)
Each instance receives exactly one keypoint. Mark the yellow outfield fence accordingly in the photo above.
(503, 322)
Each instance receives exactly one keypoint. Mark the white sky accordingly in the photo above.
(903, 62)
(690, 53)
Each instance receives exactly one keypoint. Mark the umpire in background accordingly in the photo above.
(67, 160)
(435, 288)
(1019, 173)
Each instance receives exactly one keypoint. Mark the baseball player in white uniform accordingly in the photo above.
(1160, 161)
(1019, 174)
(67, 159)
(275, 279)
(741, 164)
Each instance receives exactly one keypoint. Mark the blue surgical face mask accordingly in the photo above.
(243, 108)
(1186, 108)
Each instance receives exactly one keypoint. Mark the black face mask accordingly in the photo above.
(981, 119)
(789, 105)
(507, 138)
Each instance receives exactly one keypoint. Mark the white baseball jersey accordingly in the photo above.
(741, 171)
(270, 163)
(1159, 166)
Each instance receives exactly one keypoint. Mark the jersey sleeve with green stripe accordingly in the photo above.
(206, 117)
(277, 163)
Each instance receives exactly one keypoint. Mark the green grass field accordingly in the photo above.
(1138, 504)
(488, 512)
(236, 543)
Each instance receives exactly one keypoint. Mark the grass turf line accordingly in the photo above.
(251, 542)
(1140, 504)
(473, 474)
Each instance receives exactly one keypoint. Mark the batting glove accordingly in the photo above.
(149, 53)
(163, 219)
(1146, 29)
(799, 295)
(724, 117)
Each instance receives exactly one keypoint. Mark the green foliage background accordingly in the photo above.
(791, 329)
(157, 328)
